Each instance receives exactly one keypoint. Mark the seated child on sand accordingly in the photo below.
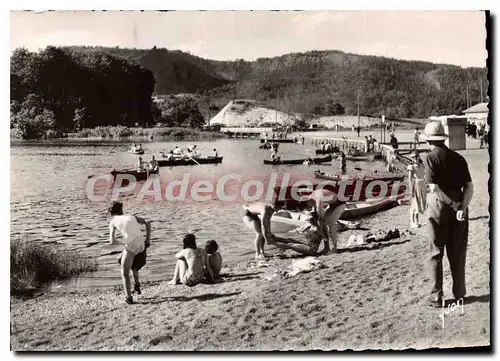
(191, 264)
(214, 259)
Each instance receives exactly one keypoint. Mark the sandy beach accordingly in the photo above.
(370, 297)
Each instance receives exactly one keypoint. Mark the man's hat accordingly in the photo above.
(434, 131)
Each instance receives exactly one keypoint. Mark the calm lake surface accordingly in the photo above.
(49, 202)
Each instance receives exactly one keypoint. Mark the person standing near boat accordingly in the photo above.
(260, 225)
(416, 138)
(140, 165)
(358, 129)
(394, 143)
(153, 164)
(343, 162)
(451, 190)
(133, 256)
(329, 208)
(418, 189)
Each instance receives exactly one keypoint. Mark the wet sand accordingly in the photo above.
(368, 297)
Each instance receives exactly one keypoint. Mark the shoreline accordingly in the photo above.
(368, 297)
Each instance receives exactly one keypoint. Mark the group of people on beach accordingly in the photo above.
(194, 265)
(441, 188)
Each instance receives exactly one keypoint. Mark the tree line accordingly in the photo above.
(64, 89)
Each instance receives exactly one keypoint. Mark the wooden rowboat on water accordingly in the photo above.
(299, 161)
(188, 161)
(138, 152)
(139, 176)
(262, 140)
(332, 150)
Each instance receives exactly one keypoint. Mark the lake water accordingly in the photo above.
(49, 201)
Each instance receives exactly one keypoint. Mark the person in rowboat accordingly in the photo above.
(193, 150)
(170, 155)
(274, 156)
(214, 154)
(133, 256)
(309, 161)
(133, 148)
(177, 151)
(153, 164)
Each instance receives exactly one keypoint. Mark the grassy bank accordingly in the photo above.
(118, 132)
(32, 264)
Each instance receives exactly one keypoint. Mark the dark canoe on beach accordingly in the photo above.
(382, 176)
(299, 161)
(188, 161)
(139, 176)
(352, 210)
(278, 140)
(367, 157)
(292, 197)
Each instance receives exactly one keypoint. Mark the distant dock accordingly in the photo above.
(246, 132)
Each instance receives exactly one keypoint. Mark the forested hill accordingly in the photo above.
(309, 82)
(67, 89)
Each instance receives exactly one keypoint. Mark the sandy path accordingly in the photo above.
(366, 298)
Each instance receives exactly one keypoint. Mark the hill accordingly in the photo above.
(316, 82)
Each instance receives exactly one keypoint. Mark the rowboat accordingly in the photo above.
(292, 197)
(298, 219)
(329, 151)
(299, 161)
(352, 210)
(383, 176)
(141, 151)
(139, 176)
(278, 140)
(188, 161)
(268, 146)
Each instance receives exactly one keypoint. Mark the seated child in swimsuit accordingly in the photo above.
(191, 264)
(214, 258)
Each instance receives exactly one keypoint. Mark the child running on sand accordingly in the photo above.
(214, 259)
(192, 263)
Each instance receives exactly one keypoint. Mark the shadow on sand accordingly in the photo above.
(470, 299)
(372, 246)
(204, 297)
(478, 217)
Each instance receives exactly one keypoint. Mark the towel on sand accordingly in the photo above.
(304, 265)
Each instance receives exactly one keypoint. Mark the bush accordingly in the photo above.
(32, 264)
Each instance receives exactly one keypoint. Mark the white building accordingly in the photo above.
(477, 114)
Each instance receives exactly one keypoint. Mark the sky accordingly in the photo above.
(449, 37)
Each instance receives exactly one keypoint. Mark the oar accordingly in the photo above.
(193, 159)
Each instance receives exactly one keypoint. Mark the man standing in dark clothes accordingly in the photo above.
(358, 129)
(451, 190)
